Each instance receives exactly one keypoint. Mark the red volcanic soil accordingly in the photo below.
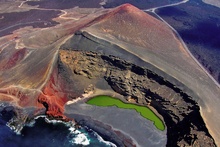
(130, 24)
(13, 58)
(53, 97)
(20, 97)
(24, 71)
(57, 91)
(140, 33)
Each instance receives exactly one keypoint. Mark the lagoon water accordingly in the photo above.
(143, 110)
(42, 132)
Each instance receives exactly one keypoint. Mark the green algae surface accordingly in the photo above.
(144, 111)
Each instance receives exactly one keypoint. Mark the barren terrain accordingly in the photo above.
(55, 56)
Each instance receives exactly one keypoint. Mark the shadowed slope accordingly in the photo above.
(148, 38)
(154, 42)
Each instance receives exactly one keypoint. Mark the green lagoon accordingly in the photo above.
(143, 110)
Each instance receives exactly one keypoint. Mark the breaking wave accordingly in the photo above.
(43, 132)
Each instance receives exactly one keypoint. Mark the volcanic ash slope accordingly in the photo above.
(135, 54)
(151, 43)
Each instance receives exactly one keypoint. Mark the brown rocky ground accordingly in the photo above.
(145, 87)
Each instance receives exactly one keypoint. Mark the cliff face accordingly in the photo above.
(185, 126)
(153, 42)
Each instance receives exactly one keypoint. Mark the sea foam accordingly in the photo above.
(103, 141)
(79, 137)
(75, 137)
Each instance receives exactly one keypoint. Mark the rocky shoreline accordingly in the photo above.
(107, 132)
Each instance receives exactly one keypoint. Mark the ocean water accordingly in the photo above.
(42, 132)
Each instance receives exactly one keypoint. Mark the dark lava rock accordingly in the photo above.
(185, 126)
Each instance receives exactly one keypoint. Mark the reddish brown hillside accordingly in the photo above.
(129, 24)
